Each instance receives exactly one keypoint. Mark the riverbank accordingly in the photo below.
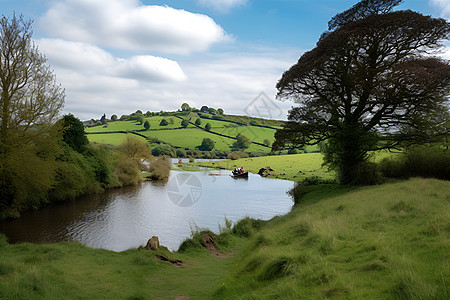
(293, 167)
(378, 242)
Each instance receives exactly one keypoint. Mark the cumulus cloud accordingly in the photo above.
(222, 5)
(129, 25)
(444, 5)
(89, 59)
(231, 81)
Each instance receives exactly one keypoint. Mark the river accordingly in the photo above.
(126, 218)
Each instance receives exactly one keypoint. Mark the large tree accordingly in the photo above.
(370, 83)
(30, 102)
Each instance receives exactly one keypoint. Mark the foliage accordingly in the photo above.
(198, 122)
(242, 141)
(147, 125)
(73, 133)
(367, 85)
(114, 118)
(220, 111)
(160, 168)
(185, 107)
(208, 126)
(237, 155)
(207, 144)
(136, 150)
(30, 102)
(103, 119)
(184, 123)
(163, 149)
(139, 118)
(422, 161)
(163, 122)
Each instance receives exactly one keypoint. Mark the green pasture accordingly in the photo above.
(116, 126)
(113, 139)
(192, 138)
(254, 133)
(290, 167)
(380, 242)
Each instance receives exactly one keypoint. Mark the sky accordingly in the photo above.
(118, 56)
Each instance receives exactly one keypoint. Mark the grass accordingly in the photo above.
(185, 138)
(290, 167)
(379, 242)
(113, 139)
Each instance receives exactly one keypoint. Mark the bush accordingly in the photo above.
(428, 162)
(147, 125)
(245, 227)
(160, 168)
(242, 142)
(208, 127)
(237, 154)
(184, 123)
(180, 153)
(198, 122)
(207, 144)
(163, 122)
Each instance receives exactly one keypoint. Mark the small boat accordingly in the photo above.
(239, 175)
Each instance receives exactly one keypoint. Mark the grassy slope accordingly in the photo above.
(379, 242)
(185, 138)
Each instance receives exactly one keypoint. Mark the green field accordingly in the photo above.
(190, 137)
(379, 242)
(113, 139)
(290, 167)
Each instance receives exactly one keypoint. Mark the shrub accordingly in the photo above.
(242, 141)
(207, 144)
(245, 227)
(421, 161)
(237, 154)
(180, 153)
(126, 172)
(147, 125)
(198, 122)
(160, 168)
(184, 123)
(208, 127)
(163, 122)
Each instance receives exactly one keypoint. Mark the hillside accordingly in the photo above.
(379, 242)
(223, 132)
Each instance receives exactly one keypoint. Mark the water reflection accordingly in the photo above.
(126, 218)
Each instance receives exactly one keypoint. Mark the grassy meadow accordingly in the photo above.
(188, 138)
(380, 242)
(289, 167)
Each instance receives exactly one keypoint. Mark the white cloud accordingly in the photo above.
(91, 60)
(127, 24)
(444, 5)
(222, 5)
(230, 81)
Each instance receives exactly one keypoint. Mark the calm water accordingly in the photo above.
(126, 218)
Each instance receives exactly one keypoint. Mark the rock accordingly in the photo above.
(264, 171)
(152, 244)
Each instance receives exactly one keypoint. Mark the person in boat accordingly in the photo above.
(241, 170)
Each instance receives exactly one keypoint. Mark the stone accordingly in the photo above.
(264, 171)
(152, 244)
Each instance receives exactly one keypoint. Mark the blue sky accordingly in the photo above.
(117, 56)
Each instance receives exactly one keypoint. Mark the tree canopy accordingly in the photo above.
(30, 102)
(371, 83)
